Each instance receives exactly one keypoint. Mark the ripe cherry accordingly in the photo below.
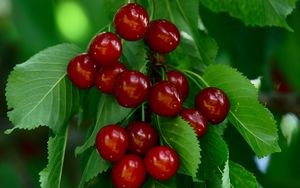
(112, 142)
(142, 136)
(164, 99)
(131, 88)
(81, 71)
(129, 172)
(105, 49)
(131, 21)
(161, 162)
(162, 36)
(213, 104)
(180, 82)
(106, 77)
(195, 119)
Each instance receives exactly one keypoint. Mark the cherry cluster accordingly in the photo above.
(126, 147)
(163, 94)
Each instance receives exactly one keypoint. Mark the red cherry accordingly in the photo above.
(112, 142)
(105, 49)
(162, 36)
(164, 99)
(106, 77)
(213, 104)
(131, 21)
(195, 119)
(142, 136)
(131, 88)
(280, 83)
(161, 162)
(180, 82)
(129, 172)
(81, 71)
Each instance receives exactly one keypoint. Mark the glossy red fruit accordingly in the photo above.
(142, 136)
(161, 162)
(180, 82)
(165, 99)
(106, 77)
(129, 172)
(131, 22)
(213, 103)
(195, 119)
(105, 49)
(112, 142)
(81, 71)
(162, 36)
(131, 88)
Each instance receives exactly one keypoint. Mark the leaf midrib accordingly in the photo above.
(245, 127)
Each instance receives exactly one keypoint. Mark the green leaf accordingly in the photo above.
(135, 55)
(225, 176)
(178, 134)
(206, 46)
(255, 12)
(184, 57)
(109, 112)
(51, 176)
(39, 92)
(95, 165)
(195, 46)
(214, 154)
(240, 177)
(253, 121)
(152, 183)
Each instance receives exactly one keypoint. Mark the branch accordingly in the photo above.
(283, 103)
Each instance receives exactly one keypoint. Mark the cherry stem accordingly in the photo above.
(169, 10)
(143, 112)
(192, 75)
(200, 78)
(193, 79)
(161, 134)
(163, 73)
(152, 9)
(109, 28)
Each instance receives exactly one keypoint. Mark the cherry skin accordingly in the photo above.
(106, 77)
(180, 82)
(164, 99)
(142, 136)
(162, 36)
(195, 119)
(112, 142)
(161, 162)
(129, 172)
(131, 22)
(81, 71)
(131, 88)
(105, 49)
(213, 103)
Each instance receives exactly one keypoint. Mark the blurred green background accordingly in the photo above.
(28, 26)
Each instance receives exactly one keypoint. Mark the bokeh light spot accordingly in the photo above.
(72, 21)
